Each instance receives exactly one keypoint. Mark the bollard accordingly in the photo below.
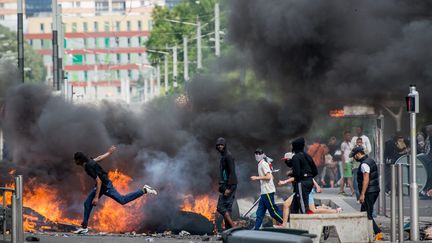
(19, 208)
(14, 220)
(393, 204)
(400, 203)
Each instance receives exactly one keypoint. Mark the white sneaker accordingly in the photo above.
(148, 189)
(81, 231)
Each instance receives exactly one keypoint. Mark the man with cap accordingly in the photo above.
(268, 190)
(227, 183)
(368, 184)
(304, 170)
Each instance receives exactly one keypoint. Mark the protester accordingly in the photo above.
(319, 209)
(366, 142)
(347, 164)
(330, 169)
(304, 169)
(103, 186)
(393, 150)
(355, 166)
(316, 151)
(268, 189)
(287, 203)
(227, 183)
(368, 184)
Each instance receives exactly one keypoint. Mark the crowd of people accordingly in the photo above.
(329, 164)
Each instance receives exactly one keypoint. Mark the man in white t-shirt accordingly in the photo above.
(268, 190)
(366, 142)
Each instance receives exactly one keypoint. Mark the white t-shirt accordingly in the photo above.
(366, 143)
(365, 168)
(267, 186)
(346, 150)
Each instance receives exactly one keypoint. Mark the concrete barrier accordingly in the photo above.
(350, 227)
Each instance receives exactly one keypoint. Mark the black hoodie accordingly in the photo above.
(227, 165)
(302, 163)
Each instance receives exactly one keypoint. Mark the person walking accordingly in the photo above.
(347, 164)
(368, 184)
(268, 189)
(227, 183)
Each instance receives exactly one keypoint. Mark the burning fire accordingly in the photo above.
(203, 205)
(113, 217)
(108, 216)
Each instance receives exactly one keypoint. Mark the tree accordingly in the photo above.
(165, 33)
(34, 70)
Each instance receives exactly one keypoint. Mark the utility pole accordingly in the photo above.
(185, 59)
(55, 46)
(158, 77)
(166, 72)
(20, 39)
(175, 66)
(60, 42)
(199, 53)
(413, 108)
(217, 29)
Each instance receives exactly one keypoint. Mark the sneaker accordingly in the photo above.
(148, 189)
(81, 231)
(379, 236)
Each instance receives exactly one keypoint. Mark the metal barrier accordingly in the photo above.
(17, 229)
(396, 193)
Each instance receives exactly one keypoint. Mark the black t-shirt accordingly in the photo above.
(94, 170)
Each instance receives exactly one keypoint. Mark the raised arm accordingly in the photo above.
(105, 155)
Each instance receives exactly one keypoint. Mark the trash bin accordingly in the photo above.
(238, 235)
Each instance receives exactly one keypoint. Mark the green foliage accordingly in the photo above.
(33, 63)
(166, 33)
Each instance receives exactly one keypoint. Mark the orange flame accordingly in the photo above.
(202, 204)
(113, 217)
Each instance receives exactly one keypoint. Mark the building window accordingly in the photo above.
(130, 73)
(96, 27)
(85, 75)
(78, 4)
(119, 6)
(85, 42)
(42, 28)
(128, 42)
(129, 57)
(118, 74)
(139, 25)
(139, 40)
(101, 6)
(2, 17)
(118, 57)
(107, 42)
(128, 25)
(150, 25)
(117, 26)
(106, 26)
(77, 59)
(85, 27)
(74, 27)
(2, 6)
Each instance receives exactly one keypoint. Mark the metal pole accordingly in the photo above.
(4, 214)
(199, 53)
(1, 144)
(414, 236)
(166, 72)
(56, 83)
(60, 42)
(20, 39)
(158, 76)
(185, 59)
(393, 204)
(175, 66)
(381, 198)
(217, 30)
(19, 207)
(14, 219)
(400, 203)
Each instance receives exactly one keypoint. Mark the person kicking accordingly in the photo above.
(103, 186)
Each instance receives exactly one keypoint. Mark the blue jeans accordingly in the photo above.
(111, 192)
(267, 203)
(355, 183)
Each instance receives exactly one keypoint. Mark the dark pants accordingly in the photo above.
(267, 203)
(387, 177)
(111, 192)
(368, 206)
(355, 183)
(225, 203)
(302, 189)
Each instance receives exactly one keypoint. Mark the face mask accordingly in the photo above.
(259, 157)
